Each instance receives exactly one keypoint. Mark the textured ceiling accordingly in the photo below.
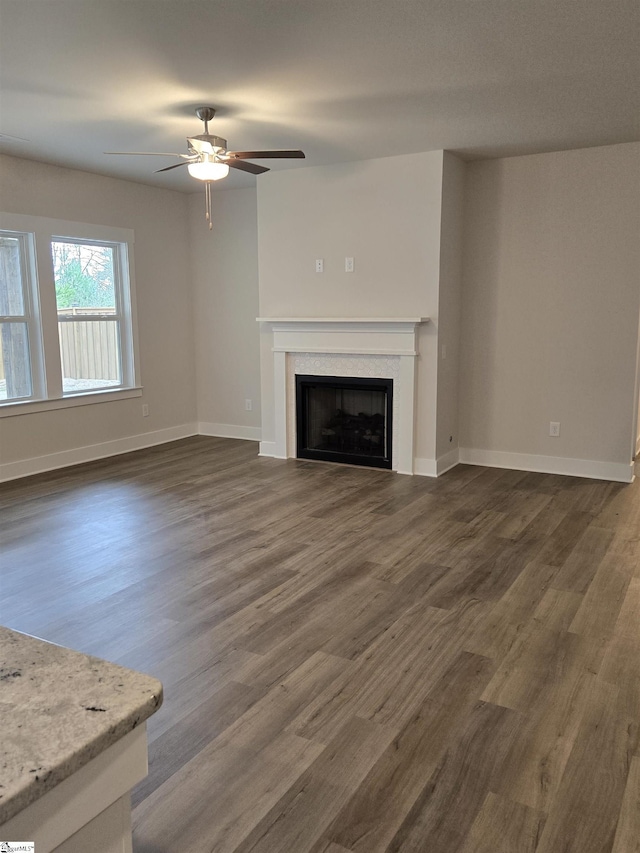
(341, 79)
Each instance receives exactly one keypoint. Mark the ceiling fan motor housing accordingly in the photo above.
(217, 143)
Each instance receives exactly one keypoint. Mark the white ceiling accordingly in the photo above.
(341, 79)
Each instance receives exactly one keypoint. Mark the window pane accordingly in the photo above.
(15, 368)
(90, 354)
(11, 286)
(84, 279)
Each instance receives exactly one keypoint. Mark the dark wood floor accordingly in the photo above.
(353, 660)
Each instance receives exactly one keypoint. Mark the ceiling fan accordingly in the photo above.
(208, 158)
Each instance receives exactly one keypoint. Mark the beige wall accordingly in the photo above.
(550, 293)
(637, 448)
(162, 276)
(383, 213)
(551, 299)
(451, 244)
(225, 300)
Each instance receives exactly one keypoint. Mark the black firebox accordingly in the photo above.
(345, 420)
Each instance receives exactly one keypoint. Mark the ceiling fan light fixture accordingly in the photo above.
(209, 158)
(208, 170)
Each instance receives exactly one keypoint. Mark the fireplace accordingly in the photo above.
(344, 419)
(359, 348)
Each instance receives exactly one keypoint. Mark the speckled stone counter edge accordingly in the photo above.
(58, 710)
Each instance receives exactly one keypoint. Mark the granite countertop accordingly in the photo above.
(58, 710)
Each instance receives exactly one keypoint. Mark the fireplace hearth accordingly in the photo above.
(343, 419)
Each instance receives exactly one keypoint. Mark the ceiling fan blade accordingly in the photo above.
(260, 155)
(245, 166)
(9, 136)
(148, 153)
(169, 168)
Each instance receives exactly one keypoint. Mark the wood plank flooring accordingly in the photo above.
(354, 661)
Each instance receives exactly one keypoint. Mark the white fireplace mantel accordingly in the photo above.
(376, 336)
(342, 346)
(377, 321)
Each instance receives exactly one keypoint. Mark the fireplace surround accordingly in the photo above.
(380, 348)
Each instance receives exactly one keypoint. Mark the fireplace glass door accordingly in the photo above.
(344, 420)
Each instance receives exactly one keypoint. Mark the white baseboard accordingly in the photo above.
(618, 472)
(614, 471)
(91, 452)
(447, 461)
(230, 431)
(267, 448)
(425, 467)
(436, 467)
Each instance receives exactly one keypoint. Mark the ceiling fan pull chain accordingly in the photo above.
(207, 193)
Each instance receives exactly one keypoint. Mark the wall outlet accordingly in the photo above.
(319, 265)
(145, 410)
(554, 429)
(248, 405)
(348, 264)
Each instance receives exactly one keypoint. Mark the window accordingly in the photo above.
(88, 320)
(67, 320)
(17, 334)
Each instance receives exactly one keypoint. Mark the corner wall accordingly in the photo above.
(551, 300)
(224, 264)
(39, 441)
(449, 311)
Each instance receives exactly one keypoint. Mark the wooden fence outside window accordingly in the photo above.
(88, 348)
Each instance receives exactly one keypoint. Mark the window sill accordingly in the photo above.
(86, 398)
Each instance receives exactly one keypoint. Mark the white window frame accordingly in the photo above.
(30, 315)
(122, 307)
(47, 393)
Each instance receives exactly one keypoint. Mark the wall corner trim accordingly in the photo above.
(425, 467)
(268, 448)
(447, 461)
(435, 467)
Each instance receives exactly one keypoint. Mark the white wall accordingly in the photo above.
(162, 276)
(551, 299)
(224, 264)
(383, 213)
